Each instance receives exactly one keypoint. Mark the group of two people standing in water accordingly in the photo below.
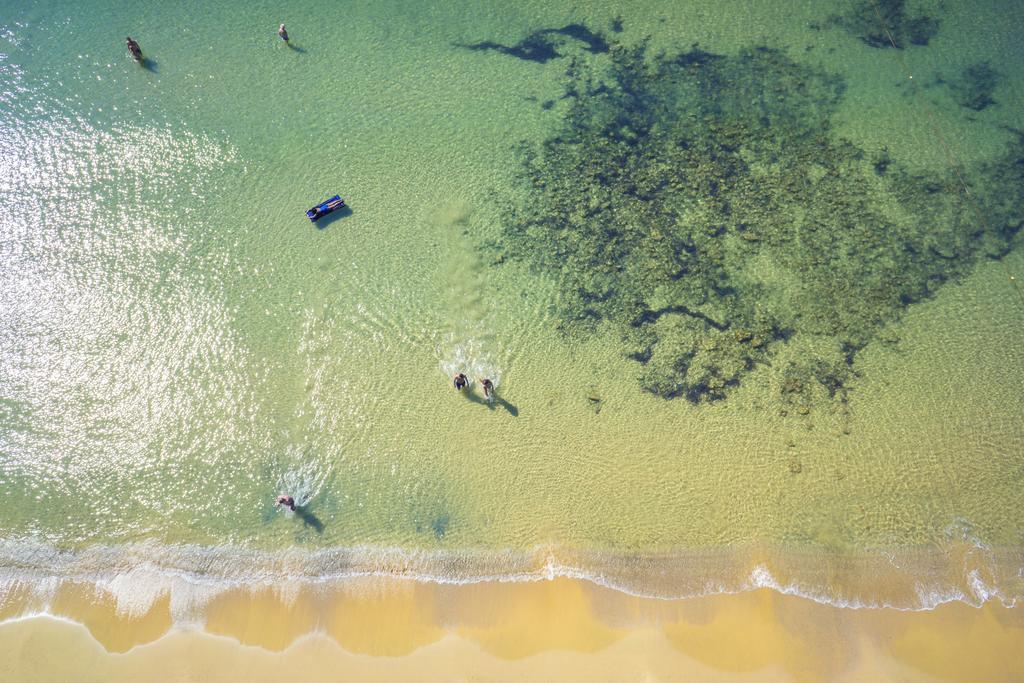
(461, 382)
(136, 51)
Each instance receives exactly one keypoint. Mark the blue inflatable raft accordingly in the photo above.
(324, 208)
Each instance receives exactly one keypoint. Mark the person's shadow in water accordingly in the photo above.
(491, 404)
(511, 408)
(309, 519)
(296, 48)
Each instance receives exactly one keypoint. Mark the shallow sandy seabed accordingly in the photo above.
(565, 630)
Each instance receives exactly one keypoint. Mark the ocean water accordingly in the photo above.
(179, 345)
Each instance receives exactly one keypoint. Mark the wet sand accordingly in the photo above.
(565, 630)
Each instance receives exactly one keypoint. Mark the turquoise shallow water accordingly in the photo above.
(179, 344)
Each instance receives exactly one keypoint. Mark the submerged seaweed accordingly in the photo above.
(540, 47)
(702, 205)
(975, 86)
(886, 23)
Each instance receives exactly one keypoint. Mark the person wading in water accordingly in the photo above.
(134, 49)
(488, 386)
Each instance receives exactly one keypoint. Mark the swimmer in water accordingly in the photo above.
(287, 501)
(461, 381)
(283, 33)
(134, 49)
(488, 386)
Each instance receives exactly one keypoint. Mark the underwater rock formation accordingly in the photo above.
(701, 204)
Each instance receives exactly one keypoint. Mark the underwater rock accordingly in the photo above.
(702, 205)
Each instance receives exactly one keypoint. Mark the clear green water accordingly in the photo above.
(178, 344)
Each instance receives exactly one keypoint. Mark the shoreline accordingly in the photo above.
(562, 629)
(134, 577)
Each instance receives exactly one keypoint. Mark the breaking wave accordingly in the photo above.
(135, 576)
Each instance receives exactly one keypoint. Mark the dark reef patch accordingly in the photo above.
(439, 525)
(702, 205)
(540, 47)
(886, 23)
(436, 524)
(534, 48)
(975, 86)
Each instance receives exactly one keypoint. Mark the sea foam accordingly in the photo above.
(136, 576)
